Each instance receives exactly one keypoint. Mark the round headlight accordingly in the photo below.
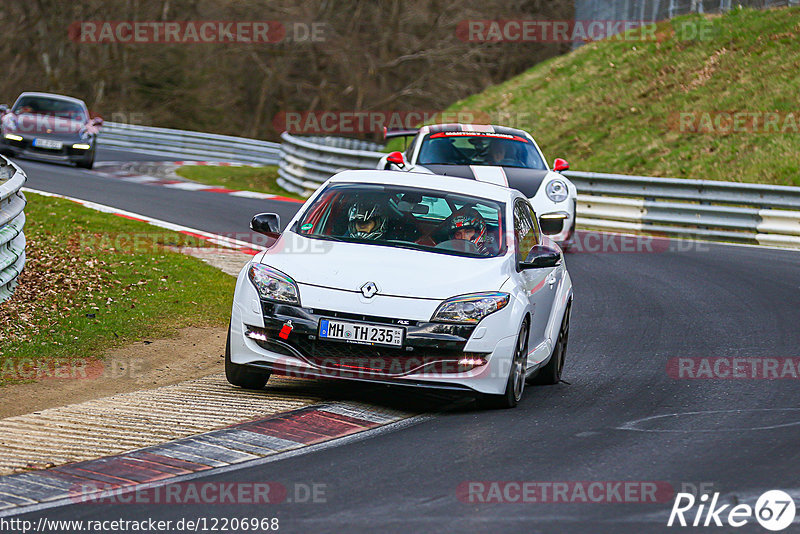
(557, 191)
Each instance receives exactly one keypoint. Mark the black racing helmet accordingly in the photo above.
(361, 214)
(469, 218)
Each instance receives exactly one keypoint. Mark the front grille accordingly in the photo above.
(359, 317)
(353, 358)
(551, 226)
(47, 151)
(381, 360)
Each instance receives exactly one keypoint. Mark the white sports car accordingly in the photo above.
(495, 154)
(407, 279)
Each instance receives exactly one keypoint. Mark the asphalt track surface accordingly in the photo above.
(212, 212)
(622, 417)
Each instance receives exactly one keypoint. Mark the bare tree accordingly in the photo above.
(376, 55)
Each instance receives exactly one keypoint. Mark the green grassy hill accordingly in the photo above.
(614, 105)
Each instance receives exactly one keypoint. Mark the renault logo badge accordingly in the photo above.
(369, 290)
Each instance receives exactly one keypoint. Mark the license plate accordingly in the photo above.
(47, 143)
(365, 334)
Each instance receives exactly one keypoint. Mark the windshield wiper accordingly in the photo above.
(327, 238)
(406, 244)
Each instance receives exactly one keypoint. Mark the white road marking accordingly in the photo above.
(632, 425)
(251, 194)
(189, 186)
(215, 238)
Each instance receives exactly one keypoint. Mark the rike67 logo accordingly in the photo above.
(774, 510)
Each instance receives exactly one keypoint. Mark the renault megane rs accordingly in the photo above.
(409, 279)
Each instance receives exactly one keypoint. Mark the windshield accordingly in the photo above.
(38, 105)
(405, 217)
(479, 148)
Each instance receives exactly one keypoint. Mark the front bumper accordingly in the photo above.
(25, 149)
(434, 355)
(557, 221)
(557, 226)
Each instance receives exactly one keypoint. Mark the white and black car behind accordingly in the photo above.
(498, 155)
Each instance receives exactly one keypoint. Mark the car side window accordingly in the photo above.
(525, 231)
(410, 150)
(535, 223)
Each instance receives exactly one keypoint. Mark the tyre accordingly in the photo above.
(242, 375)
(87, 162)
(551, 373)
(516, 376)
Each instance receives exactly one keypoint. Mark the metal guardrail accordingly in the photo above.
(306, 162)
(652, 10)
(12, 221)
(186, 145)
(707, 209)
(704, 209)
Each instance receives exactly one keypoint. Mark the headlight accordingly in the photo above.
(273, 285)
(470, 308)
(13, 137)
(557, 191)
(81, 146)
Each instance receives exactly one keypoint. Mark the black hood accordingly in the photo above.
(526, 181)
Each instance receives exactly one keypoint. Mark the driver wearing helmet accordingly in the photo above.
(501, 152)
(366, 220)
(467, 224)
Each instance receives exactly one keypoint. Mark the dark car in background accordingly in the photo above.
(49, 127)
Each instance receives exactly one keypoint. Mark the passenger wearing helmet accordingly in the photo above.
(467, 224)
(366, 220)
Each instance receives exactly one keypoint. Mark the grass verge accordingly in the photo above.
(94, 281)
(259, 179)
(614, 105)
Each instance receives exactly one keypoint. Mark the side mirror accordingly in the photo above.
(97, 121)
(560, 165)
(541, 256)
(3, 108)
(268, 224)
(397, 159)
